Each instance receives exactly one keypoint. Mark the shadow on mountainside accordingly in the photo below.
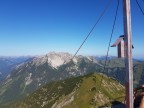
(115, 104)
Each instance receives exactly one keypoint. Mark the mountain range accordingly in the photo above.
(9, 63)
(33, 74)
(75, 92)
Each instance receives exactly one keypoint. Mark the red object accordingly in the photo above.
(117, 42)
(120, 46)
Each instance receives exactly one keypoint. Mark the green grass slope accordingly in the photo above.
(78, 92)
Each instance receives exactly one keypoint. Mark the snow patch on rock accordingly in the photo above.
(8, 80)
(28, 79)
(8, 76)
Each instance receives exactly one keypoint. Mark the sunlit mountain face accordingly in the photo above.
(34, 73)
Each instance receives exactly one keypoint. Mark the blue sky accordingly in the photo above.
(35, 27)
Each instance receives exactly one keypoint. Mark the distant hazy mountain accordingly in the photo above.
(78, 92)
(104, 57)
(138, 73)
(8, 63)
(116, 68)
(31, 75)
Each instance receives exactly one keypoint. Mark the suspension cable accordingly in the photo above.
(99, 18)
(140, 7)
(113, 28)
(102, 14)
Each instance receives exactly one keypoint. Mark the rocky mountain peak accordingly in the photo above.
(54, 59)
